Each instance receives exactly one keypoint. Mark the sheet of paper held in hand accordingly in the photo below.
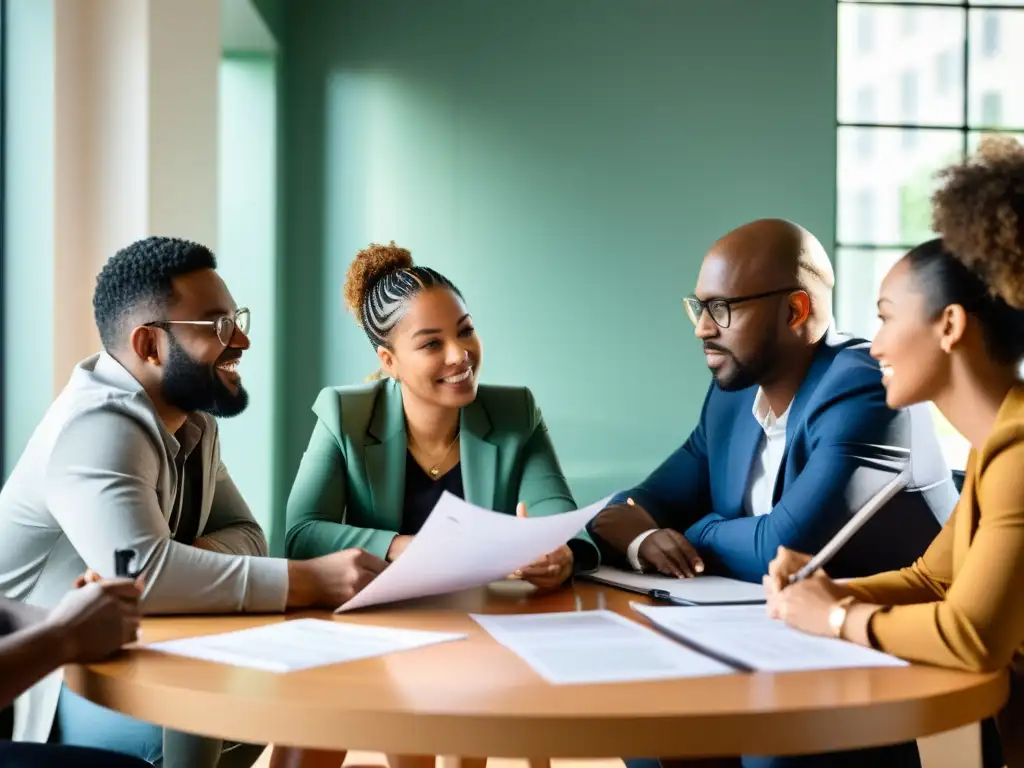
(745, 636)
(698, 590)
(461, 546)
(595, 647)
(287, 646)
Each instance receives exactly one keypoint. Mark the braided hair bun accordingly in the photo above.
(367, 269)
(381, 285)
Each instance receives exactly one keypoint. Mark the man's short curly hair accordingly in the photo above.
(139, 277)
(979, 211)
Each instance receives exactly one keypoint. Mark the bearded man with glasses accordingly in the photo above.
(793, 438)
(128, 457)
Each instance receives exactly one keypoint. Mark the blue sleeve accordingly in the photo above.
(849, 430)
(679, 490)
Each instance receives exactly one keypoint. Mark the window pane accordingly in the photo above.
(996, 63)
(901, 65)
(859, 273)
(886, 177)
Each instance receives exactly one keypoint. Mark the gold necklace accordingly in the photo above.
(435, 470)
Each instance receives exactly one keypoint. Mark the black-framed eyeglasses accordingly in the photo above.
(224, 326)
(721, 309)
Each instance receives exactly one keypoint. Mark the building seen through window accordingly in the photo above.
(918, 87)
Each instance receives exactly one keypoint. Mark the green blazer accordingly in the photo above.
(350, 487)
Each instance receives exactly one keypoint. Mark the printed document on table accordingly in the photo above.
(745, 636)
(697, 590)
(462, 545)
(595, 647)
(287, 646)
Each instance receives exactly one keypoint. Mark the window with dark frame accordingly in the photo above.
(919, 83)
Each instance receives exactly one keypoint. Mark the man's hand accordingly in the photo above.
(97, 619)
(670, 553)
(619, 524)
(550, 570)
(331, 580)
(398, 546)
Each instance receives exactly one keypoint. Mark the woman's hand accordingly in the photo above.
(549, 571)
(398, 546)
(806, 604)
(785, 564)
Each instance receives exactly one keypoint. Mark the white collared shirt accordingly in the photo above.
(763, 472)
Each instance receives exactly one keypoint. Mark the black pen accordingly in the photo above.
(123, 559)
(667, 597)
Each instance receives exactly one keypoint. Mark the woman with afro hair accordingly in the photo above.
(952, 313)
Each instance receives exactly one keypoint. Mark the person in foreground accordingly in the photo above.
(128, 456)
(790, 428)
(790, 435)
(87, 625)
(952, 332)
(382, 453)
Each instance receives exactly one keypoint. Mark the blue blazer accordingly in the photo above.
(841, 440)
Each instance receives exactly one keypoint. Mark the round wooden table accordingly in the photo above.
(475, 698)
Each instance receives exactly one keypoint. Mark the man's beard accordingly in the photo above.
(750, 372)
(191, 386)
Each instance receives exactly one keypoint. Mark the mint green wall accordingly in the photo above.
(28, 223)
(247, 260)
(567, 163)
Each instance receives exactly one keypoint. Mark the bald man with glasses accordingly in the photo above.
(793, 438)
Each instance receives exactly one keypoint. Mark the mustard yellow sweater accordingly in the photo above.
(961, 605)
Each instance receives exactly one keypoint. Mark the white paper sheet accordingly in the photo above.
(300, 644)
(595, 647)
(744, 634)
(461, 546)
(698, 590)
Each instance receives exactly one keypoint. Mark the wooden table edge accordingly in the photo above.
(341, 727)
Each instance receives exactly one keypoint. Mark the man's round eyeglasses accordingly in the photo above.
(224, 326)
(721, 309)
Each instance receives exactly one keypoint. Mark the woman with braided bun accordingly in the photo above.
(952, 332)
(382, 452)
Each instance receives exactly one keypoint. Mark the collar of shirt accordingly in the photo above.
(770, 423)
(187, 438)
(182, 442)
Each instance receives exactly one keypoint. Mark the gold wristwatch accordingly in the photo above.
(837, 615)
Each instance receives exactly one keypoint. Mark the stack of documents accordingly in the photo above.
(746, 638)
(462, 546)
(700, 590)
(287, 646)
(603, 647)
(595, 647)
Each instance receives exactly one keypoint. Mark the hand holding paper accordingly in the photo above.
(461, 546)
(547, 571)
